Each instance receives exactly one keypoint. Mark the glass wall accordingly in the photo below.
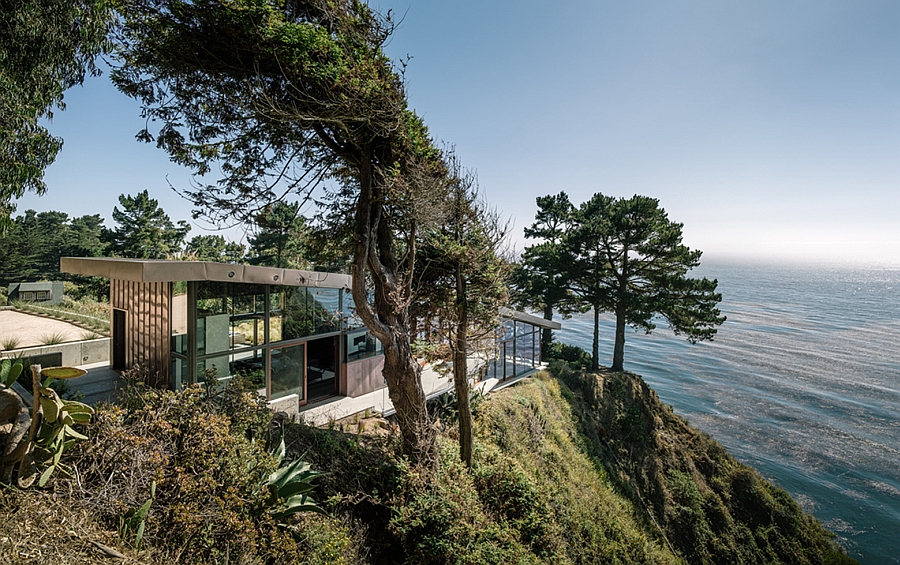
(360, 344)
(288, 368)
(253, 330)
(518, 350)
(297, 312)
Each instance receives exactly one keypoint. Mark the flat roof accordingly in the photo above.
(529, 319)
(150, 270)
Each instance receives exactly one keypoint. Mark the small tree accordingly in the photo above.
(627, 258)
(460, 283)
(144, 230)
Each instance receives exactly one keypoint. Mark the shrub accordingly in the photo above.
(568, 353)
(208, 458)
(54, 338)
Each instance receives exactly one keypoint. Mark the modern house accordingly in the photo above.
(47, 292)
(294, 333)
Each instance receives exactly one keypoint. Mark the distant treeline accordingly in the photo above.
(31, 247)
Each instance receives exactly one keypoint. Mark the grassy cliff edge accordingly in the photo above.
(569, 467)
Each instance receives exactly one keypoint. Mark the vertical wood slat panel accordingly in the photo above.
(148, 315)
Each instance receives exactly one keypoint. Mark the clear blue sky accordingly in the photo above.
(771, 129)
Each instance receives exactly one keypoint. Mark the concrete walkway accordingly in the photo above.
(433, 383)
(100, 384)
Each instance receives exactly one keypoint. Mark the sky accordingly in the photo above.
(770, 129)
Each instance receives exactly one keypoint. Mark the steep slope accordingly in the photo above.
(710, 508)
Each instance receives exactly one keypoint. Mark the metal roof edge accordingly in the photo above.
(511, 314)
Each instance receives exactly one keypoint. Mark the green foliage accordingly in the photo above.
(46, 46)
(710, 508)
(10, 370)
(213, 248)
(290, 486)
(57, 432)
(538, 281)
(32, 244)
(144, 230)
(568, 353)
(135, 520)
(281, 238)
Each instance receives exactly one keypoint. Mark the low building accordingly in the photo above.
(46, 292)
(291, 332)
(294, 333)
(518, 344)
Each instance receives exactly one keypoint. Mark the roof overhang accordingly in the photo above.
(148, 270)
(529, 319)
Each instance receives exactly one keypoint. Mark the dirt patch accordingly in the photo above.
(26, 330)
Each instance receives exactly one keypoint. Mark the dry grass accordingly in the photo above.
(36, 528)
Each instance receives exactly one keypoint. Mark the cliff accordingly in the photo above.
(569, 467)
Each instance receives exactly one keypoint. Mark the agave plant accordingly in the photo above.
(289, 487)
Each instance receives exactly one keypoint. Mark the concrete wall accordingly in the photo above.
(74, 354)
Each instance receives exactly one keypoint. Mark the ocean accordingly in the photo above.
(802, 382)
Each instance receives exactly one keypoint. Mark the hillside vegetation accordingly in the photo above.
(568, 468)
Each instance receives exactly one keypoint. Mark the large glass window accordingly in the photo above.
(518, 345)
(297, 312)
(360, 344)
(288, 365)
(524, 347)
(265, 333)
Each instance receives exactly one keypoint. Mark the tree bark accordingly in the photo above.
(621, 313)
(546, 333)
(389, 319)
(595, 350)
(619, 350)
(460, 374)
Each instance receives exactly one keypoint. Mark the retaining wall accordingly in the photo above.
(74, 354)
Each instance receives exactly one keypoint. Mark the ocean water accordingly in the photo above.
(802, 383)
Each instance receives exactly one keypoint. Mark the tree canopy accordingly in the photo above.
(624, 255)
(281, 237)
(537, 280)
(144, 230)
(281, 96)
(46, 46)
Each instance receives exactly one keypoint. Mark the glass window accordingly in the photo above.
(360, 344)
(326, 303)
(218, 366)
(507, 349)
(248, 312)
(287, 370)
(297, 312)
(179, 317)
(524, 351)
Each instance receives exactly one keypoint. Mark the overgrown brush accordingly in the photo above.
(207, 458)
(709, 506)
